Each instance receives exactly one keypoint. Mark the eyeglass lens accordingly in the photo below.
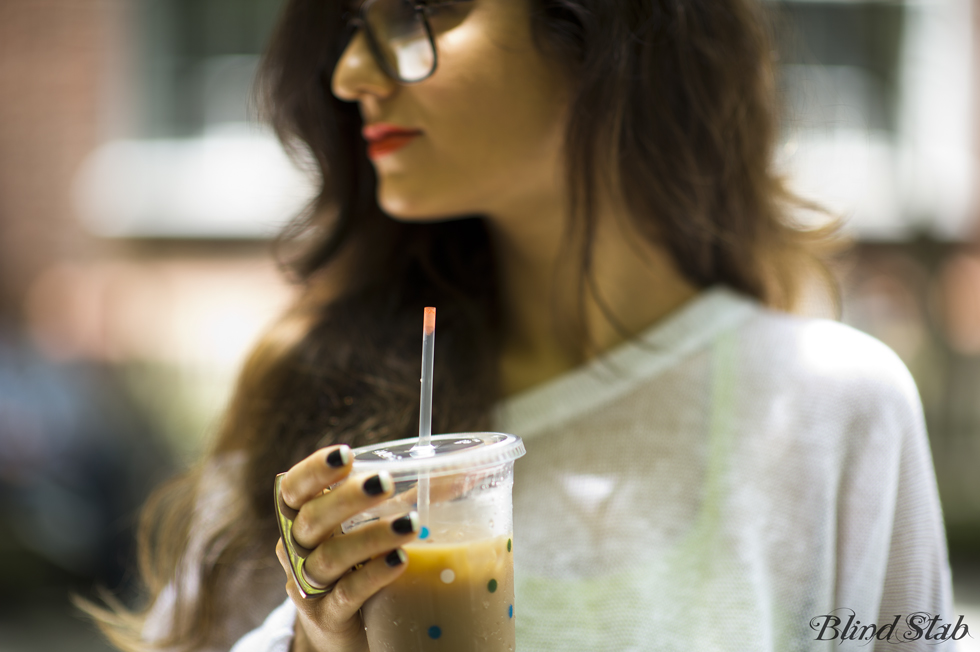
(400, 34)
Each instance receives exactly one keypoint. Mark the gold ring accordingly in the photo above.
(285, 515)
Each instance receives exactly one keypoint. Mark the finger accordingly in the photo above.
(330, 560)
(353, 590)
(291, 589)
(320, 517)
(309, 478)
(283, 557)
(304, 605)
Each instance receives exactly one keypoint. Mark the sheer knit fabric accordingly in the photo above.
(717, 484)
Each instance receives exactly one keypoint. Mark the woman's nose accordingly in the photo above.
(357, 73)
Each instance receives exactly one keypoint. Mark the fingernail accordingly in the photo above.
(377, 484)
(406, 524)
(338, 457)
(396, 557)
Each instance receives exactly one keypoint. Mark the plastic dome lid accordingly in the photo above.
(448, 454)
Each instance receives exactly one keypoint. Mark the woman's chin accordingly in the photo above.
(405, 209)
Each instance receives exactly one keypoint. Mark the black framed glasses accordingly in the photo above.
(400, 36)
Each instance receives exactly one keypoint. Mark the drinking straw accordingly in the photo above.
(424, 446)
(428, 352)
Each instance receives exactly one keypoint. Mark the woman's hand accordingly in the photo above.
(332, 622)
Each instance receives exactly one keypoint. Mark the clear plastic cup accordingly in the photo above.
(457, 592)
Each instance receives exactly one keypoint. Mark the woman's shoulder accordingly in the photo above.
(823, 357)
(815, 389)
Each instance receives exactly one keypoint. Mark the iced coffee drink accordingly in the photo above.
(457, 591)
(451, 597)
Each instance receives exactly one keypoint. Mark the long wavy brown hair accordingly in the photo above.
(679, 94)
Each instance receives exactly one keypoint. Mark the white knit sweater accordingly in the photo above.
(725, 482)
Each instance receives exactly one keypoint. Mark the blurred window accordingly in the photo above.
(192, 163)
(878, 122)
(850, 51)
(196, 61)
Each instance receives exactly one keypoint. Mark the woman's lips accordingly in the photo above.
(384, 138)
(387, 145)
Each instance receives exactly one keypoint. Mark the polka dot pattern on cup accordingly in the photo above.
(435, 632)
(447, 576)
(492, 586)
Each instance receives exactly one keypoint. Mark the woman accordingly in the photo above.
(585, 190)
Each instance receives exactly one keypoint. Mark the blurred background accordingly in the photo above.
(137, 201)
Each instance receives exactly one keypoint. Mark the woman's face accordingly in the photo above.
(489, 120)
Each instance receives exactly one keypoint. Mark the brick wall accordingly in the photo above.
(53, 56)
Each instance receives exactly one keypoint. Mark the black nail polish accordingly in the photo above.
(395, 558)
(405, 524)
(336, 458)
(374, 486)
